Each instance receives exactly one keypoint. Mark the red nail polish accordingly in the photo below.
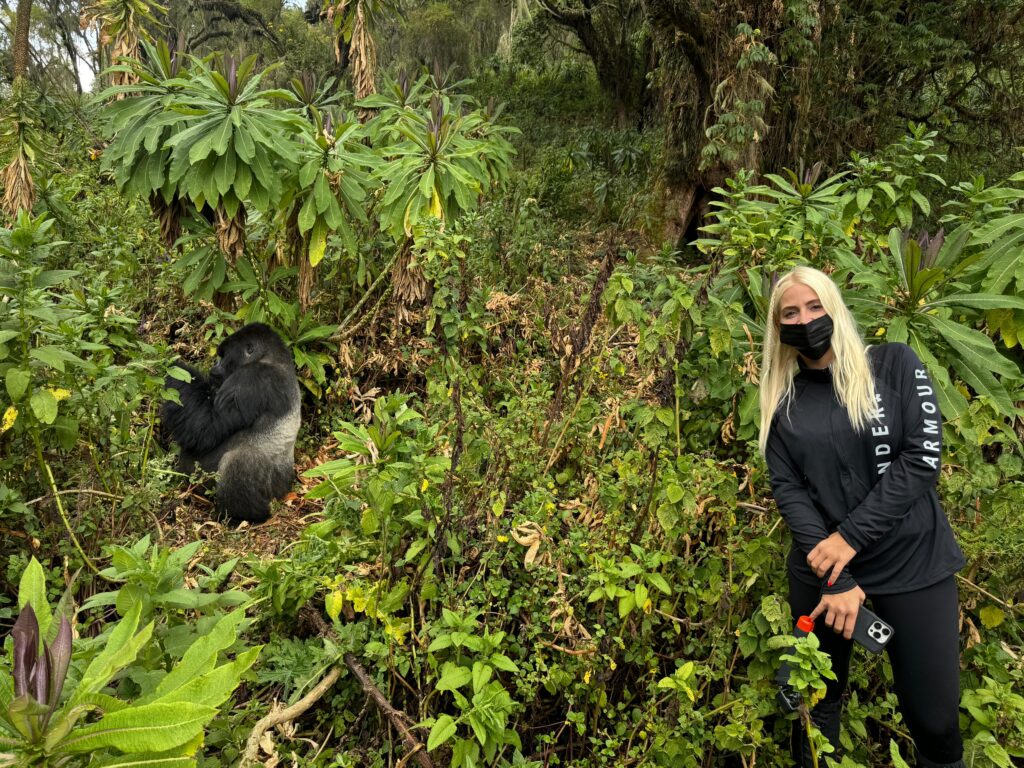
(830, 583)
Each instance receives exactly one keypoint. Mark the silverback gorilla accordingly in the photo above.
(241, 422)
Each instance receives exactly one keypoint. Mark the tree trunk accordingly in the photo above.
(22, 25)
(621, 66)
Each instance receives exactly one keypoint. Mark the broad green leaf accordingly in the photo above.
(18, 380)
(895, 756)
(980, 301)
(453, 677)
(146, 761)
(215, 687)
(145, 728)
(201, 656)
(317, 243)
(120, 650)
(674, 492)
(922, 202)
(990, 232)
(886, 187)
(44, 406)
(975, 347)
(983, 382)
(55, 357)
(53, 277)
(992, 617)
(1001, 263)
(444, 728)
(222, 136)
(660, 583)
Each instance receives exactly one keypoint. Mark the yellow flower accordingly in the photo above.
(586, 677)
(424, 485)
(59, 393)
(10, 416)
(612, 665)
(880, 332)
(501, 538)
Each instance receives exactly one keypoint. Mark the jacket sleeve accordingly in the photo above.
(915, 470)
(796, 506)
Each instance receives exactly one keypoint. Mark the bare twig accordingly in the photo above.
(414, 747)
(574, 343)
(570, 651)
(986, 593)
(89, 491)
(396, 717)
(340, 333)
(278, 715)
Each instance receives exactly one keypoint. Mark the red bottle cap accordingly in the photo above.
(806, 623)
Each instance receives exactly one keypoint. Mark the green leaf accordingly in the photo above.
(53, 277)
(32, 591)
(121, 648)
(44, 406)
(222, 136)
(370, 521)
(975, 347)
(201, 656)
(453, 677)
(146, 761)
(145, 728)
(56, 357)
(992, 617)
(895, 756)
(922, 202)
(980, 301)
(444, 728)
(659, 582)
(886, 187)
(626, 605)
(215, 687)
(18, 380)
(983, 382)
(504, 663)
(674, 492)
(317, 242)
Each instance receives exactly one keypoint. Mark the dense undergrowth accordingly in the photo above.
(531, 507)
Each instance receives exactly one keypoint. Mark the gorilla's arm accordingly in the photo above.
(197, 425)
(207, 416)
(257, 389)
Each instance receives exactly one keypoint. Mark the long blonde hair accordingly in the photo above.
(851, 371)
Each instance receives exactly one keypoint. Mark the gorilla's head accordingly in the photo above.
(252, 343)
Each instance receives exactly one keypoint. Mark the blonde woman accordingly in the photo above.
(852, 438)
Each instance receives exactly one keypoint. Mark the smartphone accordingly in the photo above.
(871, 632)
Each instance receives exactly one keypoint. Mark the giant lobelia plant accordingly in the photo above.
(140, 124)
(236, 146)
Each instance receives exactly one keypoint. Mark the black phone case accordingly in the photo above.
(871, 632)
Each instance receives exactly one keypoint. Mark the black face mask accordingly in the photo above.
(812, 340)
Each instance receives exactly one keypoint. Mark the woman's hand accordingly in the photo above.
(832, 554)
(841, 610)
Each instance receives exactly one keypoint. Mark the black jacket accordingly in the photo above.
(877, 488)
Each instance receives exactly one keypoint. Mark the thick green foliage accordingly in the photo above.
(52, 718)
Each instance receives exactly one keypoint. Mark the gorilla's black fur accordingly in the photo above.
(241, 422)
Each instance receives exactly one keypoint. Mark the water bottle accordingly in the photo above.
(789, 699)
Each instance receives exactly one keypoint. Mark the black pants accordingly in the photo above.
(925, 657)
